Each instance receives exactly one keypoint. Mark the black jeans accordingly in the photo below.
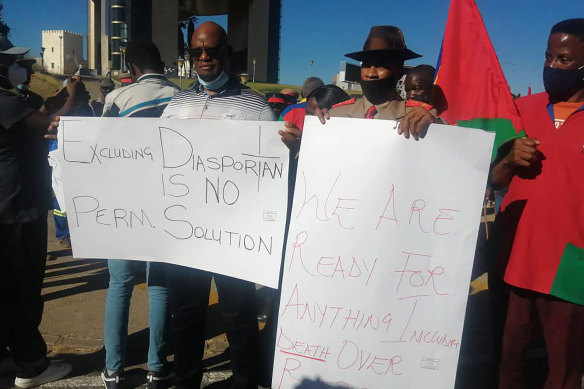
(23, 250)
(188, 292)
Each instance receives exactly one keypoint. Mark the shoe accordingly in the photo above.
(65, 242)
(112, 381)
(54, 372)
(160, 380)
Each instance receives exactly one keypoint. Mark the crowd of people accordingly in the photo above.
(537, 248)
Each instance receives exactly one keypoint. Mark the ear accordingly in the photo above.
(134, 70)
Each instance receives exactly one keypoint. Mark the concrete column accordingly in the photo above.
(165, 29)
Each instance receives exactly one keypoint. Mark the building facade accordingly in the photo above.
(62, 51)
(253, 29)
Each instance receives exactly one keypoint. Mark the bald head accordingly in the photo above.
(209, 31)
(209, 50)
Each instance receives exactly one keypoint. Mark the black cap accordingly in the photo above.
(7, 48)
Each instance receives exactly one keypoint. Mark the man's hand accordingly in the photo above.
(291, 136)
(55, 102)
(74, 85)
(415, 123)
(522, 159)
(52, 129)
(523, 153)
(322, 114)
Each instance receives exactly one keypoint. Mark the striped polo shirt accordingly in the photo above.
(234, 101)
(145, 98)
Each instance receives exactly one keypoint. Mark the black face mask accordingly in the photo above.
(560, 84)
(378, 91)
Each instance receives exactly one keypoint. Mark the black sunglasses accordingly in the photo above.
(212, 52)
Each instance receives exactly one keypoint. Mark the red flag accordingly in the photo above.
(477, 94)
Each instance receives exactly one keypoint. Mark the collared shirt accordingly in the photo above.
(390, 110)
(147, 97)
(234, 101)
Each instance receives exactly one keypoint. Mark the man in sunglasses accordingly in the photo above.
(216, 95)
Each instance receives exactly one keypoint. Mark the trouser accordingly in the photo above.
(562, 324)
(60, 218)
(189, 297)
(23, 250)
(117, 310)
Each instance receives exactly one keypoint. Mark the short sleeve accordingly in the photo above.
(267, 114)
(13, 109)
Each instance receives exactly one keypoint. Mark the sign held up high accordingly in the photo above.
(379, 255)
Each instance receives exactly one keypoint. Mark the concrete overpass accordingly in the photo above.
(112, 23)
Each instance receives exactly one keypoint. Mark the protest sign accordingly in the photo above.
(56, 179)
(379, 255)
(208, 194)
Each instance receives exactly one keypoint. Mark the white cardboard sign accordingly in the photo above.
(208, 194)
(57, 179)
(379, 255)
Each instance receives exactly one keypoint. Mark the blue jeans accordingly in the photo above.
(60, 218)
(117, 308)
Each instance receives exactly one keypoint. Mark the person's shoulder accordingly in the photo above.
(345, 107)
(346, 102)
(113, 94)
(293, 108)
(8, 95)
(185, 94)
(164, 82)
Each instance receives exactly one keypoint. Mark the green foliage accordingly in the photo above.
(4, 29)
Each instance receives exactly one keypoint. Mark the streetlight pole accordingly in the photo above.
(122, 59)
(253, 75)
(61, 54)
(180, 63)
(311, 62)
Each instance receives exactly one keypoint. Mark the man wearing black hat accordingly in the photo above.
(25, 184)
(382, 65)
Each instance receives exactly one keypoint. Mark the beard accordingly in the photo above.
(379, 91)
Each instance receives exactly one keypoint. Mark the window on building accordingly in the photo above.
(73, 51)
(52, 49)
(52, 65)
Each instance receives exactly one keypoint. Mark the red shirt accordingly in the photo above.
(542, 216)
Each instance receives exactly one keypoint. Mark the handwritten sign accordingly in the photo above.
(379, 255)
(208, 194)
(56, 179)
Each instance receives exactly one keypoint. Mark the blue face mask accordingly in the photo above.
(215, 84)
(560, 84)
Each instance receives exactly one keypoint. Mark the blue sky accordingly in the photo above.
(324, 30)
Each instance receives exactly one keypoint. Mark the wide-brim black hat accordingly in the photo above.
(384, 40)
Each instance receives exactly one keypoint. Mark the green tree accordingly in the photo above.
(4, 29)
